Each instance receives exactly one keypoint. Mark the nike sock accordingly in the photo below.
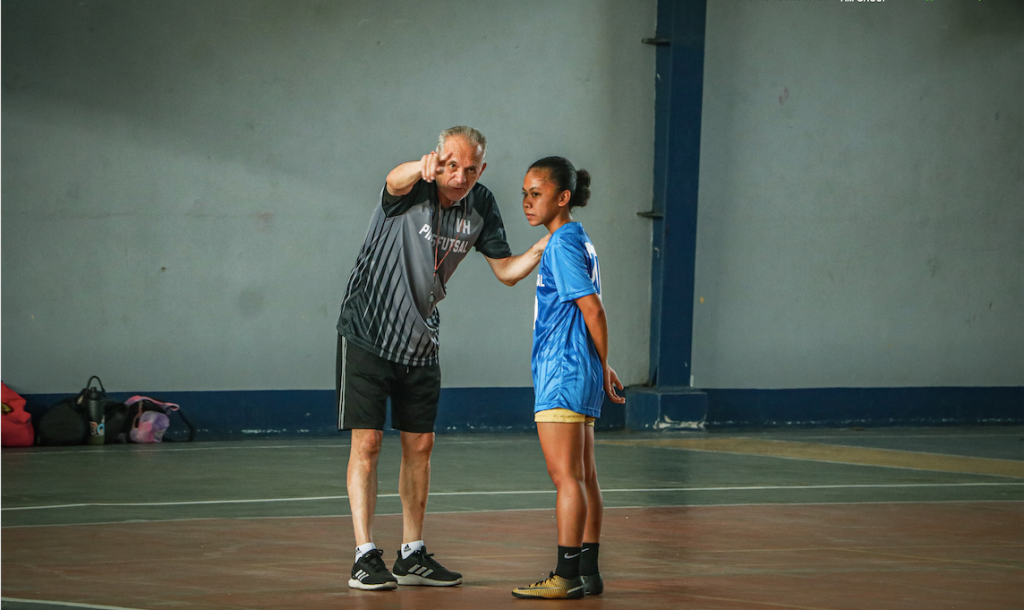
(411, 547)
(588, 558)
(363, 549)
(568, 561)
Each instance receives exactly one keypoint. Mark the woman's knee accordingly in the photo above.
(566, 475)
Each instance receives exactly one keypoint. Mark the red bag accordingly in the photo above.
(16, 426)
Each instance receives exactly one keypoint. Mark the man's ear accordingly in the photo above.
(482, 168)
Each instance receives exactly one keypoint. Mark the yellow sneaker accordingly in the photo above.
(555, 587)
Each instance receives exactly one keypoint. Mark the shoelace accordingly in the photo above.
(425, 559)
(374, 558)
(540, 582)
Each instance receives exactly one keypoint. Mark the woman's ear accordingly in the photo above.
(563, 198)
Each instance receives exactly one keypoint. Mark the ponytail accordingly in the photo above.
(567, 178)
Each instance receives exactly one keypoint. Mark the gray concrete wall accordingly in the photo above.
(861, 219)
(186, 184)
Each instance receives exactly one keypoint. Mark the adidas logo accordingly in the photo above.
(360, 575)
(419, 570)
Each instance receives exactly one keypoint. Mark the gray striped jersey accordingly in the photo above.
(390, 302)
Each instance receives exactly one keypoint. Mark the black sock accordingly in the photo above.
(588, 558)
(568, 561)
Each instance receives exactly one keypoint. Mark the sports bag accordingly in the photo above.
(148, 419)
(68, 421)
(16, 426)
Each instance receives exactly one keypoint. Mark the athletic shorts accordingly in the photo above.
(365, 381)
(563, 416)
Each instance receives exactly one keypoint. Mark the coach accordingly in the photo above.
(431, 212)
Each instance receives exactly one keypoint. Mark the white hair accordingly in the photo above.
(473, 136)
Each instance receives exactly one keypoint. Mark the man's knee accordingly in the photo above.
(366, 444)
(417, 445)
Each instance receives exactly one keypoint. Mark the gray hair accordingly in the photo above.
(472, 136)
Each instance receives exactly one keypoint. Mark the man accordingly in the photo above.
(432, 211)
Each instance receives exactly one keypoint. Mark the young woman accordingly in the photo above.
(570, 373)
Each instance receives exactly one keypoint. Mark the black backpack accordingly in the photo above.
(67, 422)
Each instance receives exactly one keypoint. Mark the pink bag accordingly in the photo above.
(150, 419)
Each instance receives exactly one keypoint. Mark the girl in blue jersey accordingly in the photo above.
(571, 375)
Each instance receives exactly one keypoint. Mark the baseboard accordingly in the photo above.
(835, 407)
(251, 413)
(248, 413)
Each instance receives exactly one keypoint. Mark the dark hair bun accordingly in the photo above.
(567, 178)
(582, 194)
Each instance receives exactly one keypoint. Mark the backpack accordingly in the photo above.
(16, 427)
(67, 422)
(147, 420)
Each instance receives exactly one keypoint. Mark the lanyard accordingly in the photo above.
(437, 236)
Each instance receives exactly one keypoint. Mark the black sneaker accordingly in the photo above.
(370, 574)
(593, 584)
(421, 569)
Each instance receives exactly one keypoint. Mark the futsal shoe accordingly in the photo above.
(593, 584)
(421, 569)
(555, 587)
(370, 574)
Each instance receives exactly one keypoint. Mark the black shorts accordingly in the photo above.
(365, 381)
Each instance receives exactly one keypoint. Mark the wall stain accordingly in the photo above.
(251, 302)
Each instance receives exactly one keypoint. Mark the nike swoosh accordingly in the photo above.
(574, 589)
(568, 556)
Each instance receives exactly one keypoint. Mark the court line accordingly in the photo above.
(161, 448)
(838, 454)
(877, 553)
(518, 510)
(755, 602)
(511, 493)
(63, 604)
(239, 445)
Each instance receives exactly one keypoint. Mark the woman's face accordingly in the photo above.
(542, 201)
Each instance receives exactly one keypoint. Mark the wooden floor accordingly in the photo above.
(826, 520)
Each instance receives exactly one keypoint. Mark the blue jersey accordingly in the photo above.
(567, 372)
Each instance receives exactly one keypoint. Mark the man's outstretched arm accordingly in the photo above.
(405, 176)
(511, 269)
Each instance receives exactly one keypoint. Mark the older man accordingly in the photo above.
(431, 212)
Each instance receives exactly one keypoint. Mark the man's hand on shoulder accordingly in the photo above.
(514, 268)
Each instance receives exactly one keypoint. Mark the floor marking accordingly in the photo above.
(931, 559)
(517, 510)
(154, 448)
(839, 454)
(756, 602)
(508, 493)
(63, 604)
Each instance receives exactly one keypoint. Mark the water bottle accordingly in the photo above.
(97, 417)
